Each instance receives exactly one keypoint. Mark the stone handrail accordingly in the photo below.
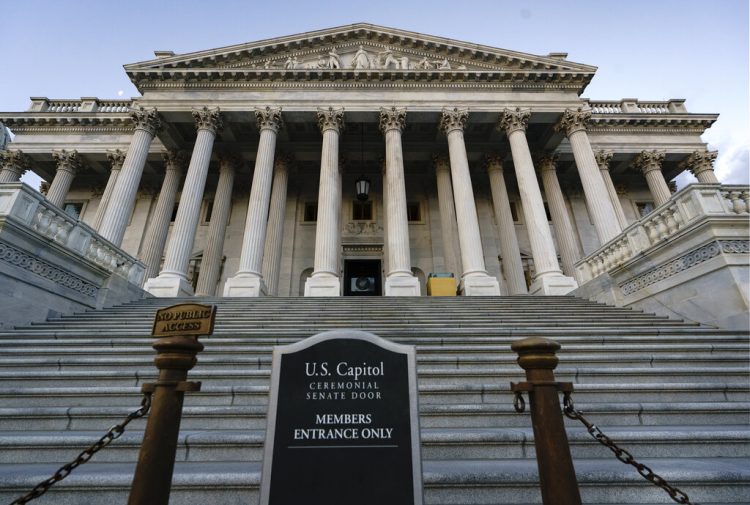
(23, 205)
(43, 104)
(633, 106)
(692, 204)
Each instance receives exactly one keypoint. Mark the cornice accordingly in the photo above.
(71, 122)
(651, 122)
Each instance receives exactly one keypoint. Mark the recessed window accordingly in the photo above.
(310, 214)
(209, 211)
(644, 208)
(73, 209)
(414, 212)
(361, 211)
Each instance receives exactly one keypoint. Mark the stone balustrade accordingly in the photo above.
(680, 213)
(86, 104)
(632, 106)
(28, 208)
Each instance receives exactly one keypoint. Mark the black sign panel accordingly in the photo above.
(342, 423)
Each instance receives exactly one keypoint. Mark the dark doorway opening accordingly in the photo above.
(362, 278)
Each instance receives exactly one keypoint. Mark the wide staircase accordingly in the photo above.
(674, 394)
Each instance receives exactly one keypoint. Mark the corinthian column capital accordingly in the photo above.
(453, 119)
(14, 160)
(603, 158)
(208, 119)
(392, 119)
(649, 161)
(269, 118)
(573, 120)
(699, 161)
(440, 162)
(146, 119)
(512, 120)
(116, 158)
(493, 161)
(68, 161)
(174, 159)
(331, 119)
(547, 163)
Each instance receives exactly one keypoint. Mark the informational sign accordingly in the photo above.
(186, 319)
(343, 423)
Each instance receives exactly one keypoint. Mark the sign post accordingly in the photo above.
(178, 326)
(343, 423)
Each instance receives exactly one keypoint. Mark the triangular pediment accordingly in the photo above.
(360, 47)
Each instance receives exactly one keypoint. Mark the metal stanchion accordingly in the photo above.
(176, 355)
(556, 473)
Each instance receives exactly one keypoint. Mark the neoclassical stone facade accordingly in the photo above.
(234, 173)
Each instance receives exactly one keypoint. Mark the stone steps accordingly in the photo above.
(455, 482)
(676, 394)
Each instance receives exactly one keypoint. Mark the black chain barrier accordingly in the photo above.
(621, 454)
(112, 434)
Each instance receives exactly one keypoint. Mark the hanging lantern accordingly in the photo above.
(363, 188)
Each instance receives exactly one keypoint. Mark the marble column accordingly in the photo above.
(158, 227)
(509, 250)
(399, 281)
(474, 279)
(213, 253)
(701, 164)
(573, 122)
(116, 158)
(448, 226)
(117, 214)
(548, 279)
(602, 159)
(248, 281)
(566, 239)
(325, 279)
(172, 280)
(649, 162)
(13, 164)
(68, 163)
(275, 232)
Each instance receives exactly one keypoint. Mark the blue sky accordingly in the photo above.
(646, 49)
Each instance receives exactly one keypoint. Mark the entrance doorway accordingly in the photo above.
(362, 278)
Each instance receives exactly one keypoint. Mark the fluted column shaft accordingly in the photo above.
(275, 232)
(399, 256)
(327, 237)
(597, 198)
(180, 244)
(158, 227)
(540, 237)
(472, 259)
(451, 251)
(67, 165)
(116, 159)
(509, 249)
(602, 159)
(213, 252)
(120, 207)
(566, 240)
(649, 162)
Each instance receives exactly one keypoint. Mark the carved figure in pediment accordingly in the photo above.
(386, 59)
(442, 65)
(334, 61)
(425, 64)
(291, 63)
(361, 59)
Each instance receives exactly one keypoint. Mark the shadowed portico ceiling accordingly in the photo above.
(357, 55)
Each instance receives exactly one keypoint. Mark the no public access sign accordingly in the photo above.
(343, 423)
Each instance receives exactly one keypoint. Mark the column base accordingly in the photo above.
(245, 285)
(323, 285)
(479, 285)
(402, 285)
(556, 284)
(168, 286)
